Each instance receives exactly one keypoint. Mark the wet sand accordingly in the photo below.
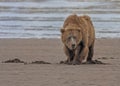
(54, 74)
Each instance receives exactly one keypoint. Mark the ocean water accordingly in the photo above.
(44, 18)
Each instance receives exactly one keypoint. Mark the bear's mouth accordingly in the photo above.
(73, 47)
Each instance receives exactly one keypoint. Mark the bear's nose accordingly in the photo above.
(73, 45)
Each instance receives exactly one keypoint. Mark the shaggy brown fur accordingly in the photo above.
(78, 37)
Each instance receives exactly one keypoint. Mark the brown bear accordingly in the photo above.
(78, 37)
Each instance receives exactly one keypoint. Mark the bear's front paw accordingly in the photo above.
(65, 62)
(76, 62)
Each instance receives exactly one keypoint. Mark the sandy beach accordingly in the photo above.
(54, 74)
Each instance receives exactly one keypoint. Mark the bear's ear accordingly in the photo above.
(62, 30)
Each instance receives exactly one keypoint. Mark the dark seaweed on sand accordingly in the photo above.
(94, 62)
(40, 62)
(16, 60)
(91, 62)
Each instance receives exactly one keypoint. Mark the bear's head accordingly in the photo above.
(71, 37)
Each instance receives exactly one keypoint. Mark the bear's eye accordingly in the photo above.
(69, 38)
(74, 37)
